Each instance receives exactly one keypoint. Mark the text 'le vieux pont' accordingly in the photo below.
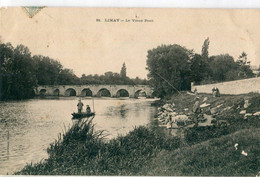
(112, 20)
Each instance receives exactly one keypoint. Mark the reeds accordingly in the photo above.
(82, 151)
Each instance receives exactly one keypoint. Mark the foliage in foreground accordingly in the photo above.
(82, 151)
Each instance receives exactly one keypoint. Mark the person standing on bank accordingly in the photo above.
(80, 106)
(217, 92)
(196, 110)
(214, 91)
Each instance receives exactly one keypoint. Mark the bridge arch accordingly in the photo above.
(104, 92)
(56, 92)
(140, 93)
(86, 92)
(70, 92)
(43, 92)
(122, 93)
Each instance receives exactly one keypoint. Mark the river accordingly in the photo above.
(28, 127)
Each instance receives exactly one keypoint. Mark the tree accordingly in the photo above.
(169, 69)
(24, 79)
(67, 77)
(6, 55)
(47, 70)
(204, 51)
(242, 59)
(224, 68)
(17, 72)
(123, 71)
(199, 68)
(244, 70)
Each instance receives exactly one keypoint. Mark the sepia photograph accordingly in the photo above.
(129, 91)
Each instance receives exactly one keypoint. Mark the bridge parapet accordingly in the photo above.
(93, 90)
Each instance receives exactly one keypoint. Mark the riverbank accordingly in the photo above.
(81, 151)
(223, 149)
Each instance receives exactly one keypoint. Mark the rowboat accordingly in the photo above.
(82, 115)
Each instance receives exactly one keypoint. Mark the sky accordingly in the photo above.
(75, 38)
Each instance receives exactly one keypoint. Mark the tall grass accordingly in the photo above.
(82, 151)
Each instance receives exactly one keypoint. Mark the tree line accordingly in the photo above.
(173, 68)
(21, 72)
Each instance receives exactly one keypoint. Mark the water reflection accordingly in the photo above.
(28, 127)
(123, 111)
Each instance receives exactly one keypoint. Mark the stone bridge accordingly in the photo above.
(132, 91)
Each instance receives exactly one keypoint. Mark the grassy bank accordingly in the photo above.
(213, 157)
(202, 150)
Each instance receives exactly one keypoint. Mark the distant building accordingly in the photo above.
(255, 69)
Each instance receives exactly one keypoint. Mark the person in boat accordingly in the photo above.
(80, 106)
(88, 110)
